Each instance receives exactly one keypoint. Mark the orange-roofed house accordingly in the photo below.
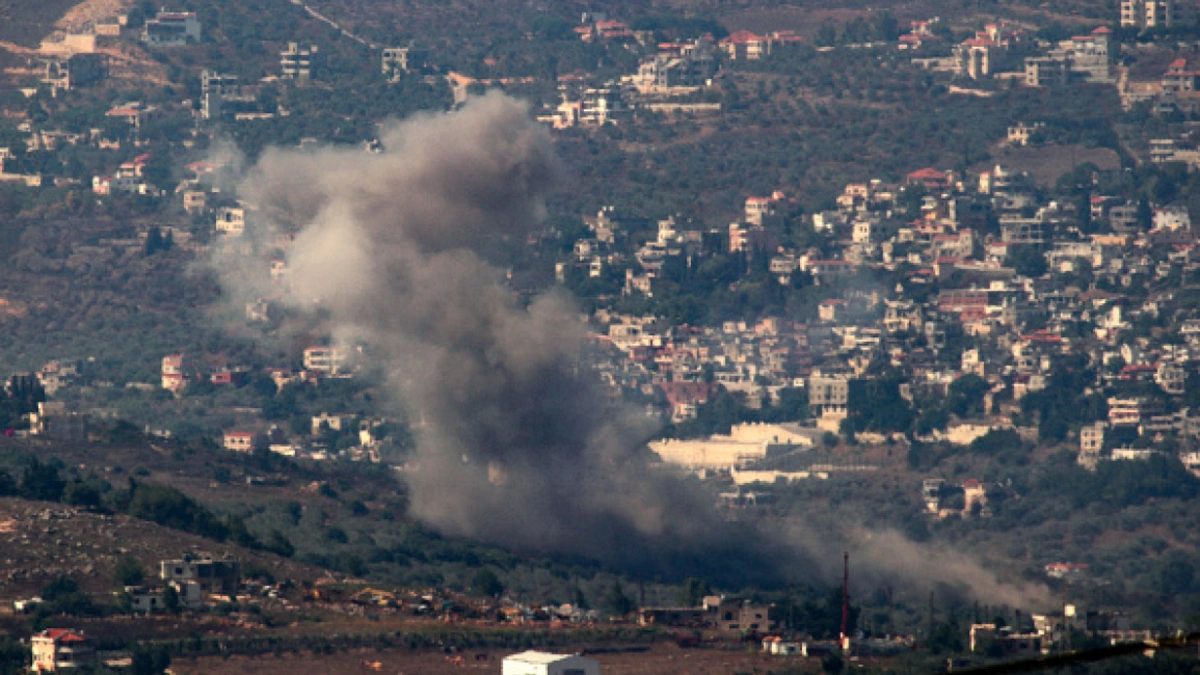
(746, 46)
(133, 113)
(56, 649)
(613, 30)
(930, 178)
(243, 441)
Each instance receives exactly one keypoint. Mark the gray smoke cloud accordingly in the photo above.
(515, 445)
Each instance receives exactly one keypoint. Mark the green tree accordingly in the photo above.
(693, 591)
(1027, 261)
(965, 395)
(150, 662)
(8, 486)
(486, 583)
(616, 602)
(42, 481)
(278, 544)
(82, 494)
(128, 572)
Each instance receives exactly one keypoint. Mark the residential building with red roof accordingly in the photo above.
(56, 649)
(930, 178)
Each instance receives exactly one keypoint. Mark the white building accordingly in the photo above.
(745, 445)
(57, 649)
(328, 360)
(174, 372)
(544, 663)
(231, 221)
(1172, 218)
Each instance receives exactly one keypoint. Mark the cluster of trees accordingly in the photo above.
(167, 506)
(880, 27)
(1065, 403)
(19, 397)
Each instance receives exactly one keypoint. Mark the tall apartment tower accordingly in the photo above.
(1147, 13)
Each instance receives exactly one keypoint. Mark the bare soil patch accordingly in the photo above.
(1046, 164)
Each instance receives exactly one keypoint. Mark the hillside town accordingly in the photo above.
(849, 320)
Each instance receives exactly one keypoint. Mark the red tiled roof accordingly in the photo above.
(63, 635)
(688, 392)
(742, 37)
(927, 174)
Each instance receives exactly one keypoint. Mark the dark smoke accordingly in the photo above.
(515, 444)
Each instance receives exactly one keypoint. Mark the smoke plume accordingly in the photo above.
(514, 444)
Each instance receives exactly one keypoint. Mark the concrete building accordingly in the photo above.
(399, 60)
(243, 441)
(693, 65)
(56, 649)
(745, 444)
(1171, 378)
(299, 63)
(231, 221)
(62, 73)
(1083, 58)
(829, 396)
(730, 616)
(1147, 13)
(715, 453)
(1021, 134)
(52, 420)
(172, 28)
(1129, 411)
(211, 575)
(174, 372)
(149, 601)
(326, 360)
(601, 105)
(1091, 442)
(215, 90)
(545, 663)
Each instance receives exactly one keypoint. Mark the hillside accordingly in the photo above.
(26, 23)
(46, 541)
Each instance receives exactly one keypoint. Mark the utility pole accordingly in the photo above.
(845, 600)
